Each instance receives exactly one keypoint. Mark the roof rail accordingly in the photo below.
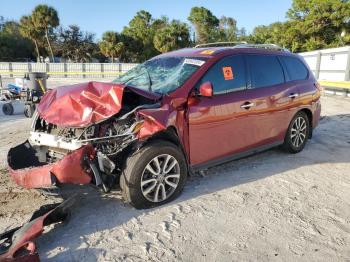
(243, 45)
(218, 44)
(263, 46)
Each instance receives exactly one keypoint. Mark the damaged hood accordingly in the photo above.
(84, 104)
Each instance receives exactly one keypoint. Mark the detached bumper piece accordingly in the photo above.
(18, 244)
(29, 171)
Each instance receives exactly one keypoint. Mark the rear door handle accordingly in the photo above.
(293, 95)
(247, 105)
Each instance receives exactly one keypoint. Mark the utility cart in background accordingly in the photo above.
(27, 90)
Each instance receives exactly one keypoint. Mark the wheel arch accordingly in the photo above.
(309, 115)
(171, 135)
(130, 178)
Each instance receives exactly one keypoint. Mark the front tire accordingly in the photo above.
(297, 134)
(154, 175)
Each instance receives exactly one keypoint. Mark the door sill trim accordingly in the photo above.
(222, 160)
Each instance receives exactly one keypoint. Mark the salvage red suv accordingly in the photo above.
(174, 114)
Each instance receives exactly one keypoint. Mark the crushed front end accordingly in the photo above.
(87, 143)
(33, 166)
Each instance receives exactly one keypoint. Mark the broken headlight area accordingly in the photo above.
(94, 154)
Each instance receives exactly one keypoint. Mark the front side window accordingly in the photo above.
(161, 75)
(295, 68)
(265, 70)
(227, 75)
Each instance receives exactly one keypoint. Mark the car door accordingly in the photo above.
(220, 125)
(274, 100)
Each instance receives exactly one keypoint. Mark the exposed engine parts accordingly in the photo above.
(84, 134)
(108, 137)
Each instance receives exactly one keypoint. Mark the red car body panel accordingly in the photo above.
(236, 129)
(21, 243)
(209, 128)
(69, 169)
(150, 126)
(82, 104)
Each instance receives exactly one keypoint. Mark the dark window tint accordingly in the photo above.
(295, 68)
(227, 75)
(265, 70)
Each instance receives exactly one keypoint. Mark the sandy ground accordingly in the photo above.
(269, 207)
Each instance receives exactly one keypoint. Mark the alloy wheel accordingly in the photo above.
(298, 132)
(160, 178)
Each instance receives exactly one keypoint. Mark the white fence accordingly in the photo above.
(327, 64)
(66, 70)
(330, 64)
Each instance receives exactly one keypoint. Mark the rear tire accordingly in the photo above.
(154, 175)
(297, 134)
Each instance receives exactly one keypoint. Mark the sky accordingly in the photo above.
(103, 15)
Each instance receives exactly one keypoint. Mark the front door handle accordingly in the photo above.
(293, 95)
(247, 105)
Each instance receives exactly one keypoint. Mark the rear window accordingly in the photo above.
(265, 70)
(295, 68)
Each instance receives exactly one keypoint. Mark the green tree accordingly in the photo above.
(45, 18)
(205, 24)
(141, 31)
(261, 34)
(285, 34)
(228, 28)
(132, 49)
(28, 30)
(311, 25)
(172, 36)
(13, 46)
(76, 45)
(321, 22)
(160, 23)
(111, 46)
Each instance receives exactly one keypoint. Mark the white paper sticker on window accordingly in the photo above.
(194, 62)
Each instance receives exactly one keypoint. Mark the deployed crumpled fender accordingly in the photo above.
(18, 244)
(29, 172)
(159, 119)
(149, 127)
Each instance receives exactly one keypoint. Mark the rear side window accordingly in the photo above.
(265, 70)
(227, 75)
(295, 68)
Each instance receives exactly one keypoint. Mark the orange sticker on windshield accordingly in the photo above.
(227, 71)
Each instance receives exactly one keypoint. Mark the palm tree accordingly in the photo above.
(28, 30)
(172, 36)
(46, 18)
(110, 45)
